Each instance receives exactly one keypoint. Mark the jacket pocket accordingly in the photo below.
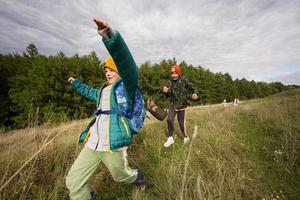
(83, 136)
(125, 125)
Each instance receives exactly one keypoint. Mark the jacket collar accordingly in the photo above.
(104, 85)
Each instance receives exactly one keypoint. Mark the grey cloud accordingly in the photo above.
(288, 78)
(243, 38)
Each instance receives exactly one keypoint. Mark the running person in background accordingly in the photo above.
(178, 94)
(235, 102)
(108, 135)
(224, 104)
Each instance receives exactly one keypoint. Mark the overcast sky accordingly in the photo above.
(255, 39)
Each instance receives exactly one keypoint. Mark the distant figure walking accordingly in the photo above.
(224, 104)
(235, 102)
(177, 94)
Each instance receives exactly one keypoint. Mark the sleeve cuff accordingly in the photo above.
(74, 82)
(106, 33)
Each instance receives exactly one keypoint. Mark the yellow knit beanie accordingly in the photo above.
(109, 63)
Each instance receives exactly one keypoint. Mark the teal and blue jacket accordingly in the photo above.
(122, 94)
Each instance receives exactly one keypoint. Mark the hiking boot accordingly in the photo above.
(169, 142)
(186, 140)
(141, 180)
(93, 195)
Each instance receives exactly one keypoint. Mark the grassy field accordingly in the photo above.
(248, 152)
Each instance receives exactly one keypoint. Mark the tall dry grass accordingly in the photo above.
(248, 152)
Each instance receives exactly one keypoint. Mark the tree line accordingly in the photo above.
(34, 87)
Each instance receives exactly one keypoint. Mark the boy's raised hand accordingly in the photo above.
(100, 24)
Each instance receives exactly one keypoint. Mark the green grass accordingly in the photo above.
(248, 152)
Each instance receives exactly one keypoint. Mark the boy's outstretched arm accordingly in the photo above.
(83, 89)
(119, 51)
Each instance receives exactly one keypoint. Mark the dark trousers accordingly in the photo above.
(180, 117)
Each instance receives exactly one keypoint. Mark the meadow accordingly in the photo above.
(251, 151)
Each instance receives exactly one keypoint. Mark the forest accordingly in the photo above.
(34, 87)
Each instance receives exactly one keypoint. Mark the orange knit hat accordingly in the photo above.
(109, 63)
(176, 69)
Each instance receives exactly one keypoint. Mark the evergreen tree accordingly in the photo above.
(32, 50)
(34, 87)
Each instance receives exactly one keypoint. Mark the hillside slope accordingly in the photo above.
(248, 152)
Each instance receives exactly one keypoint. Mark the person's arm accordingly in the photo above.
(168, 91)
(121, 55)
(83, 89)
(192, 88)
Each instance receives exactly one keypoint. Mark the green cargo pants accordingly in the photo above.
(87, 162)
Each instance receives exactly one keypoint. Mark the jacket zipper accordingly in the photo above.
(97, 134)
(87, 137)
(97, 118)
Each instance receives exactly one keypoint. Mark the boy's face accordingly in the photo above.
(111, 76)
(174, 76)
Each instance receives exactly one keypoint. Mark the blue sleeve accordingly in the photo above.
(85, 90)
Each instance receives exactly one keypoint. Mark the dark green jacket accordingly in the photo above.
(179, 92)
(119, 132)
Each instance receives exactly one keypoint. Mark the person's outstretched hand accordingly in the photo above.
(100, 23)
(194, 96)
(71, 79)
